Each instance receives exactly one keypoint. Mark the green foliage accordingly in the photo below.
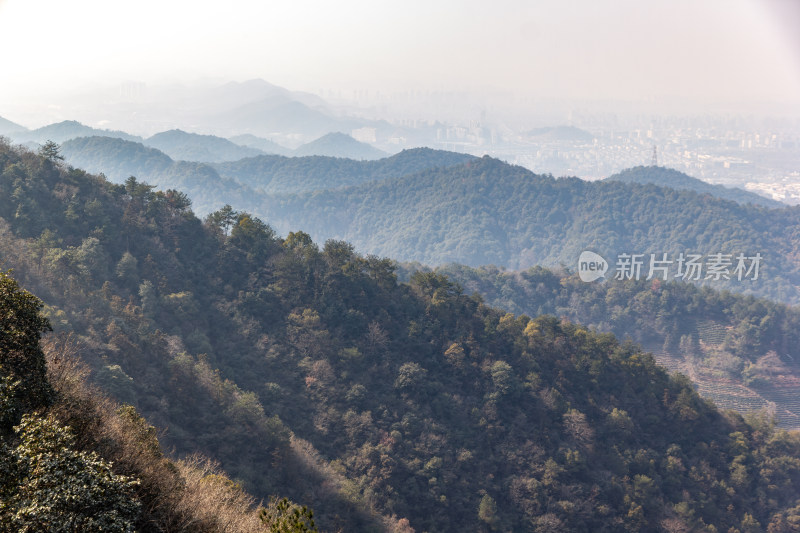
(50, 486)
(409, 375)
(21, 358)
(51, 151)
(223, 219)
(53, 478)
(282, 516)
(114, 379)
(487, 511)
(288, 175)
(439, 207)
(127, 269)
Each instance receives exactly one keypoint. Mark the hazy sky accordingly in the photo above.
(702, 50)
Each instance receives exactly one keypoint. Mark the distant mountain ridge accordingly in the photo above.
(440, 207)
(7, 127)
(560, 133)
(66, 130)
(183, 146)
(668, 177)
(289, 175)
(119, 159)
(488, 212)
(339, 144)
(186, 146)
(213, 185)
(283, 115)
(267, 146)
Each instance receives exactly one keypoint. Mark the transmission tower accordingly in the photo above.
(655, 156)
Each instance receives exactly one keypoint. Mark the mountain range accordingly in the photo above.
(453, 208)
(63, 131)
(310, 371)
(184, 146)
(253, 107)
(237, 182)
(488, 212)
(265, 145)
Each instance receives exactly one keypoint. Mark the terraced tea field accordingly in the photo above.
(780, 394)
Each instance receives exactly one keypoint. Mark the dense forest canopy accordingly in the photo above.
(309, 371)
(743, 352)
(487, 212)
(438, 207)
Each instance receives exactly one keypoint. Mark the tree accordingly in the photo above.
(139, 190)
(49, 486)
(299, 240)
(409, 375)
(21, 358)
(222, 219)
(282, 516)
(51, 151)
(178, 200)
(127, 269)
(487, 511)
(253, 236)
(502, 377)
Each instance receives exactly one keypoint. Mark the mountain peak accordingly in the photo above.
(338, 144)
(6, 126)
(675, 179)
(185, 146)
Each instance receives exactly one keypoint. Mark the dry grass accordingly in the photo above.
(190, 495)
(213, 501)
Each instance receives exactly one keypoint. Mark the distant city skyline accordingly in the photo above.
(681, 53)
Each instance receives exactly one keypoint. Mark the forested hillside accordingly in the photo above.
(244, 182)
(437, 207)
(183, 146)
(65, 130)
(73, 460)
(667, 177)
(742, 352)
(310, 372)
(287, 175)
(118, 159)
(487, 212)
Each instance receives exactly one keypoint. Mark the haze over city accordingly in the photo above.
(678, 54)
(713, 86)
